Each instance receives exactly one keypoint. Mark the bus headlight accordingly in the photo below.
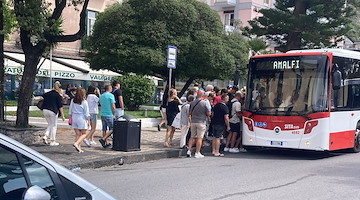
(310, 125)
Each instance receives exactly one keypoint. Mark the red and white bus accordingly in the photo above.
(304, 99)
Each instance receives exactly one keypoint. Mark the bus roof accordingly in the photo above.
(336, 52)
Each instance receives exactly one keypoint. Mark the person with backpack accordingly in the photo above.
(235, 118)
(220, 124)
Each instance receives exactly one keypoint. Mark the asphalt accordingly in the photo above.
(151, 148)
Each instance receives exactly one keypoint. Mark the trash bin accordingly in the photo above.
(126, 135)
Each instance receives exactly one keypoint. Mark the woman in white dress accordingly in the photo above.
(93, 101)
(79, 112)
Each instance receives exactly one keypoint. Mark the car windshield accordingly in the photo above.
(288, 85)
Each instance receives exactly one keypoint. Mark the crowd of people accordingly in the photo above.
(209, 114)
(83, 111)
(205, 116)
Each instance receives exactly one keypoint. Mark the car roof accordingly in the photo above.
(50, 164)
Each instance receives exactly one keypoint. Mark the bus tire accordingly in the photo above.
(356, 147)
(252, 148)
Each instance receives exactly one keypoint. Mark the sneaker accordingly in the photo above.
(54, 144)
(199, 155)
(45, 139)
(93, 142)
(102, 142)
(234, 150)
(188, 154)
(87, 142)
(226, 149)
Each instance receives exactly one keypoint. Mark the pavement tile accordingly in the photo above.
(95, 156)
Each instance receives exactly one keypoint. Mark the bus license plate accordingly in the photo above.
(276, 143)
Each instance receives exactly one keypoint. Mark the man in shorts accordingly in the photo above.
(107, 102)
(220, 124)
(119, 101)
(199, 112)
(235, 122)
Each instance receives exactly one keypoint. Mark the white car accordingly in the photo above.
(27, 174)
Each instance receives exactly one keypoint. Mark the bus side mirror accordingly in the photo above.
(336, 78)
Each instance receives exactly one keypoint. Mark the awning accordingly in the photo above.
(94, 75)
(64, 68)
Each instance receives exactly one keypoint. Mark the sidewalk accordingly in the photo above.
(96, 156)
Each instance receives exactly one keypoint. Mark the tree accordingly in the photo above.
(7, 23)
(133, 37)
(40, 29)
(295, 24)
(137, 90)
(257, 45)
(354, 32)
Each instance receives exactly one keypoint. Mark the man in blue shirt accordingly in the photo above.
(107, 102)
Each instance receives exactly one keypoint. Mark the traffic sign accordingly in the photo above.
(171, 60)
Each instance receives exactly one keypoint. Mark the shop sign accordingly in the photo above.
(64, 74)
(100, 77)
(20, 71)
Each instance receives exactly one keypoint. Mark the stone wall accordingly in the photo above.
(25, 136)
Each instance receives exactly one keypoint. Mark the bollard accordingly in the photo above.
(145, 113)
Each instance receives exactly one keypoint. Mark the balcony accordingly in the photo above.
(225, 3)
(229, 28)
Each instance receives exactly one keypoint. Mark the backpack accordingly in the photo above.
(229, 105)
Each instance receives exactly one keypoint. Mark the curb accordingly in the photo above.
(131, 158)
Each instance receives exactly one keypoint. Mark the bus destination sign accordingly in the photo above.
(286, 64)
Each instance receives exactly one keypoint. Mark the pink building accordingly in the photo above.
(67, 64)
(235, 13)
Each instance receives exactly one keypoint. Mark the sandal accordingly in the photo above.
(219, 155)
(77, 148)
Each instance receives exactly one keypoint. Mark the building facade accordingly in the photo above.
(236, 13)
(67, 59)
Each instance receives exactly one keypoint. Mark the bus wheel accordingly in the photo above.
(252, 148)
(356, 147)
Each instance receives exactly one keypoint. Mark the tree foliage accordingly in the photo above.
(39, 24)
(137, 90)
(295, 24)
(354, 32)
(9, 22)
(133, 37)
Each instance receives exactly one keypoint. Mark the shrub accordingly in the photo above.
(137, 90)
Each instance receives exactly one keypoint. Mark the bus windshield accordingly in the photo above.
(288, 85)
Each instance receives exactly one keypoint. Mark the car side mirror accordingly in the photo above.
(336, 80)
(36, 193)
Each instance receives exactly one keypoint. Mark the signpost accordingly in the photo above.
(171, 61)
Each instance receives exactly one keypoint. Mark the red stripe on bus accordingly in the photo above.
(319, 115)
(329, 54)
(286, 123)
(341, 140)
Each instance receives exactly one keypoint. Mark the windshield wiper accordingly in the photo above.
(302, 114)
(259, 109)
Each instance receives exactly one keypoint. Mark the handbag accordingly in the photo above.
(70, 121)
(40, 104)
(176, 122)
